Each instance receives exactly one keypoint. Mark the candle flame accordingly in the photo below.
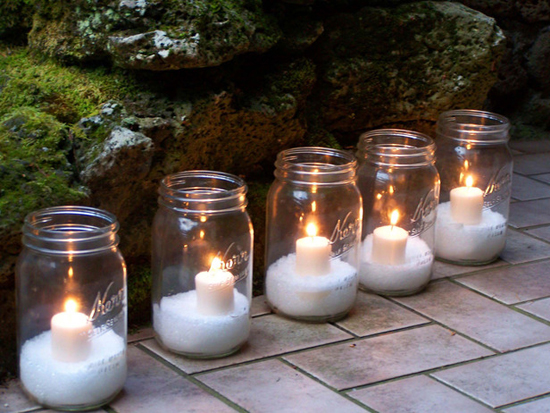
(217, 264)
(394, 217)
(378, 196)
(313, 206)
(391, 190)
(71, 306)
(466, 165)
(469, 181)
(201, 234)
(203, 218)
(71, 272)
(311, 230)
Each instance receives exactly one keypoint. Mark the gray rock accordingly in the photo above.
(125, 155)
(410, 63)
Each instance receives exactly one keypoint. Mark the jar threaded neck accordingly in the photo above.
(473, 127)
(311, 165)
(397, 147)
(203, 192)
(70, 230)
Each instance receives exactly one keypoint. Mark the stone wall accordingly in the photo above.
(101, 99)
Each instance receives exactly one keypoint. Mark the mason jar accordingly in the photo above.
(313, 230)
(400, 188)
(202, 264)
(71, 308)
(476, 176)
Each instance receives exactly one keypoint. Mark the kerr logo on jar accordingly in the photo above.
(235, 260)
(344, 235)
(106, 302)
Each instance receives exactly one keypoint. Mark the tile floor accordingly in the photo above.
(476, 340)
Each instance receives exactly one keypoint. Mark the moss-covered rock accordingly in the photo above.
(409, 63)
(153, 34)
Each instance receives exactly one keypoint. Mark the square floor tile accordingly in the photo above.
(529, 213)
(512, 284)
(530, 164)
(443, 269)
(270, 335)
(541, 232)
(523, 248)
(384, 357)
(540, 308)
(154, 387)
(373, 314)
(418, 394)
(526, 189)
(504, 379)
(537, 406)
(478, 317)
(12, 398)
(272, 386)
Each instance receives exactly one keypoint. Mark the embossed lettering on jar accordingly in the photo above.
(476, 170)
(313, 230)
(71, 304)
(400, 188)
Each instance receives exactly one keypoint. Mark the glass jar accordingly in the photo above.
(71, 307)
(400, 188)
(476, 176)
(202, 264)
(313, 230)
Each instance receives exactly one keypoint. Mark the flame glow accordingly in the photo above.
(216, 264)
(311, 230)
(394, 217)
(71, 306)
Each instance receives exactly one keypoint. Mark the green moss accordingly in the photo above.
(139, 294)
(34, 167)
(67, 93)
(257, 196)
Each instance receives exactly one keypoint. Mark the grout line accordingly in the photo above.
(192, 379)
(459, 391)
(525, 401)
(341, 393)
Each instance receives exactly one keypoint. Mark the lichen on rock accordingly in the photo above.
(153, 34)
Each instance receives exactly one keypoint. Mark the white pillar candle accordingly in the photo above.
(467, 203)
(312, 253)
(70, 334)
(215, 290)
(389, 243)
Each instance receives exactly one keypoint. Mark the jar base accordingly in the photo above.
(467, 263)
(394, 293)
(312, 319)
(198, 356)
(72, 408)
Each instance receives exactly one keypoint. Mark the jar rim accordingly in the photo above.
(70, 229)
(403, 146)
(473, 126)
(194, 189)
(315, 165)
(40, 223)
